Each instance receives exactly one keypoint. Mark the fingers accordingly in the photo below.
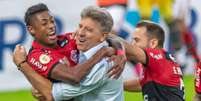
(118, 73)
(19, 48)
(118, 67)
(36, 94)
(115, 73)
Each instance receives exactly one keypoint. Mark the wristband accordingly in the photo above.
(19, 65)
(120, 52)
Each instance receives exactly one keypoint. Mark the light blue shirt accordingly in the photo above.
(96, 86)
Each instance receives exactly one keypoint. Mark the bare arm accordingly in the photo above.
(132, 85)
(119, 59)
(77, 73)
(40, 83)
(133, 52)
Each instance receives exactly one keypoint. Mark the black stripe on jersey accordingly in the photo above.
(157, 92)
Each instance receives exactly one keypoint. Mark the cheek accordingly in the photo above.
(42, 37)
(142, 44)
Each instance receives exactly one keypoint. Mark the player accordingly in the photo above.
(161, 79)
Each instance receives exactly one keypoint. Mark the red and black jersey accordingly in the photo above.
(198, 78)
(161, 76)
(43, 59)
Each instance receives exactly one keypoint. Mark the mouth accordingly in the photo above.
(81, 41)
(52, 35)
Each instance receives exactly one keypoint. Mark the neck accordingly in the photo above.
(48, 45)
(158, 47)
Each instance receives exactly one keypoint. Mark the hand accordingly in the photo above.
(110, 52)
(19, 54)
(74, 34)
(36, 94)
(119, 64)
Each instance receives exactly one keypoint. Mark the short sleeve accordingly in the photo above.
(42, 62)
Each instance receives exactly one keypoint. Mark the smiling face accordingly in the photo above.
(140, 37)
(89, 34)
(43, 29)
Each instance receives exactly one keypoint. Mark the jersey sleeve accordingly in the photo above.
(42, 62)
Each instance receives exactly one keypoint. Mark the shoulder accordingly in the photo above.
(67, 35)
(154, 53)
(35, 52)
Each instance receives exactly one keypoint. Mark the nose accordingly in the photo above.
(52, 26)
(80, 32)
(133, 42)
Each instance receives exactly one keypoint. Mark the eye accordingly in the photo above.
(44, 23)
(52, 21)
(89, 29)
(79, 26)
(135, 40)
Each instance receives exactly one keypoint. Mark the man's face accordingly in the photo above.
(43, 29)
(140, 37)
(88, 34)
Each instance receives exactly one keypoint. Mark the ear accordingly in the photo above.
(104, 35)
(31, 30)
(153, 43)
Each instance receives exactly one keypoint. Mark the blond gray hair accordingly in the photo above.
(101, 15)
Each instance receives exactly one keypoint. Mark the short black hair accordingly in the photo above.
(153, 30)
(33, 10)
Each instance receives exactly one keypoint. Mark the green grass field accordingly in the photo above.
(25, 95)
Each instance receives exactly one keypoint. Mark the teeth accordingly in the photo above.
(51, 33)
(81, 40)
(52, 36)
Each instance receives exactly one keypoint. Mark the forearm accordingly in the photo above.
(116, 44)
(77, 73)
(81, 70)
(132, 85)
(43, 85)
(133, 52)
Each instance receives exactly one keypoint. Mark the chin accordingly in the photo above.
(83, 49)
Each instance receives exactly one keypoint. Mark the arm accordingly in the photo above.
(133, 52)
(119, 59)
(40, 83)
(132, 85)
(77, 73)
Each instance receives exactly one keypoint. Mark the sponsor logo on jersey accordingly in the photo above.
(156, 56)
(64, 42)
(36, 63)
(74, 56)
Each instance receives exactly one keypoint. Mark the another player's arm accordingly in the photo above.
(77, 73)
(132, 85)
(42, 84)
(120, 58)
(133, 52)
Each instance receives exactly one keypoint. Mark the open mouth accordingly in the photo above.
(52, 36)
(82, 40)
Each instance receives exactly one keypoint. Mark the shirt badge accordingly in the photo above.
(63, 43)
(44, 59)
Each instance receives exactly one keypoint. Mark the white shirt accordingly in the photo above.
(96, 86)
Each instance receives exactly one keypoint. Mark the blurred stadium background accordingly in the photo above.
(13, 85)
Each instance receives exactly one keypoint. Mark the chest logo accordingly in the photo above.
(44, 59)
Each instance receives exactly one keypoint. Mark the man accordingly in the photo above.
(161, 79)
(90, 82)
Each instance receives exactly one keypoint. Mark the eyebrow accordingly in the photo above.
(44, 19)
